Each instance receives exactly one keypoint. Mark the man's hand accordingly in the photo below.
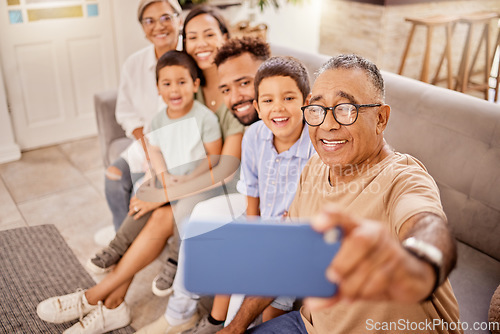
(371, 264)
(138, 208)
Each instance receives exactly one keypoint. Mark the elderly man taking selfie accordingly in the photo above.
(397, 251)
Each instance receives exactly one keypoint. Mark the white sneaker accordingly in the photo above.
(161, 326)
(102, 320)
(64, 308)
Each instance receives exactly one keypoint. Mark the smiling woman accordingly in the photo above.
(160, 22)
(205, 30)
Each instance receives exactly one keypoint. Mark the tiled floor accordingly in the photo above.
(64, 185)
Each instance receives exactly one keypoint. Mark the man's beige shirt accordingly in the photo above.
(390, 192)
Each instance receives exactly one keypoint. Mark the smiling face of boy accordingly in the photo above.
(177, 88)
(278, 105)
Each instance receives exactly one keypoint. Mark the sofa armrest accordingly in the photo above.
(108, 129)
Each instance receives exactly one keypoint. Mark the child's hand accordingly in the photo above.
(138, 208)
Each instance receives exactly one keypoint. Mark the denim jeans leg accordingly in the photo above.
(118, 191)
(182, 303)
(290, 323)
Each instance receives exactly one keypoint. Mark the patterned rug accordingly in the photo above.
(35, 264)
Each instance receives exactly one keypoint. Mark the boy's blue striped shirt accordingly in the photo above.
(268, 175)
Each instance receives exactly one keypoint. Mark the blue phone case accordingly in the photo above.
(259, 258)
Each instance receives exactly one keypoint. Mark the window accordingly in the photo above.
(21, 11)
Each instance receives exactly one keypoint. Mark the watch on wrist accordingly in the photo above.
(428, 253)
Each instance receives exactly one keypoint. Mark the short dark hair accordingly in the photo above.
(200, 10)
(234, 47)
(350, 61)
(179, 58)
(284, 66)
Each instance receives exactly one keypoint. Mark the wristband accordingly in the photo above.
(430, 254)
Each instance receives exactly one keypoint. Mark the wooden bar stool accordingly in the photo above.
(466, 65)
(430, 23)
(446, 54)
(496, 49)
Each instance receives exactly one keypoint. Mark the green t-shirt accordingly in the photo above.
(181, 140)
(228, 123)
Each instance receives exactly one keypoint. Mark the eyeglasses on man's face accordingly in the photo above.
(165, 19)
(344, 113)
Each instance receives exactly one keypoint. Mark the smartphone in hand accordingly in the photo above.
(259, 258)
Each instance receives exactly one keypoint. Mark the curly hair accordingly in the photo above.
(237, 46)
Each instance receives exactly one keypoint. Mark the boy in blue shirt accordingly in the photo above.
(274, 152)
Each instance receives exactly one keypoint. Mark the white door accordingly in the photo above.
(55, 55)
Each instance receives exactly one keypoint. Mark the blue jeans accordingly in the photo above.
(290, 323)
(118, 191)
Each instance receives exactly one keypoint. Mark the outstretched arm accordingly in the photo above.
(372, 265)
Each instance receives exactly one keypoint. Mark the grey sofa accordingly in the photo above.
(457, 137)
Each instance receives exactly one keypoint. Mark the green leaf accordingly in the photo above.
(275, 3)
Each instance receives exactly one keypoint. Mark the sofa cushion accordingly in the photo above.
(117, 146)
(456, 136)
(473, 281)
(479, 225)
(312, 61)
(108, 128)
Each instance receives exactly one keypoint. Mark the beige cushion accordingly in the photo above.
(457, 137)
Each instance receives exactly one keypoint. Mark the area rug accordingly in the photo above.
(35, 264)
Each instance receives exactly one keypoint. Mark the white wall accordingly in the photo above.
(294, 26)
(9, 150)
(128, 31)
